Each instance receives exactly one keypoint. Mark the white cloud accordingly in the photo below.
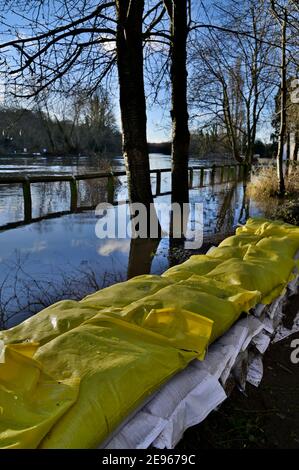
(122, 246)
(36, 248)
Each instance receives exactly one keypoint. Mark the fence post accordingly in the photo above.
(202, 171)
(226, 168)
(231, 172)
(246, 170)
(158, 182)
(190, 178)
(222, 174)
(27, 200)
(240, 171)
(110, 188)
(213, 173)
(74, 194)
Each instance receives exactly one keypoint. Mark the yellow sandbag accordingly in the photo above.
(174, 326)
(265, 228)
(228, 252)
(196, 295)
(65, 315)
(283, 246)
(197, 264)
(105, 354)
(30, 400)
(121, 343)
(242, 299)
(239, 241)
(119, 367)
(49, 323)
(254, 275)
(124, 293)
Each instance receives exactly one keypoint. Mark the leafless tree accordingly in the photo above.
(286, 15)
(233, 79)
(179, 29)
(64, 43)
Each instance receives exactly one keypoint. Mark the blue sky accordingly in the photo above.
(158, 115)
(158, 128)
(158, 123)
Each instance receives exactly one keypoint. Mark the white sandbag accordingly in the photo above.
(138, 433)
(234, 337)
(255, 326)
(191, 395)
(255, 369)
(216, 360)
(261, 341)
(193, 409)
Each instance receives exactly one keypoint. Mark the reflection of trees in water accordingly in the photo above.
(23, 294)
(142, 252)
(92, 192)
(230, 209)
(55, 197)
(11, 203)
(225, 216)
(50, 197)
(176, 252)
(245, 207)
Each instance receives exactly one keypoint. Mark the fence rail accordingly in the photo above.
(228, 172)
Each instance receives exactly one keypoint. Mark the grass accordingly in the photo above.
(264, 183)
(263, 188)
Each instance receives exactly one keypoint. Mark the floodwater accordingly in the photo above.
(62, 257)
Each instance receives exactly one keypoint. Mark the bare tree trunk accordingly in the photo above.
(249, 149)
(231, 132)
(283, 108)
(254, 90)
(132, 99)
(179, 113)
(70, 147)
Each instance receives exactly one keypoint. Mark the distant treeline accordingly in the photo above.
(93, 131)
(213, 143)
(160, 147)
(205, 144)
(88, 127)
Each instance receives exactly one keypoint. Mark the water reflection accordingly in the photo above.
(59, 258)
(48, 198)
(142, 252)
(44, 262)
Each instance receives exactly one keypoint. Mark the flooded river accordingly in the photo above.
(58, 258)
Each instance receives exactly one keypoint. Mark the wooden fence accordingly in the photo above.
(228, 172)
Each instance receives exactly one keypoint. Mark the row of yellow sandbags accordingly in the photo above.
(70, 374)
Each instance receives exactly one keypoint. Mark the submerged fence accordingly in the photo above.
(218, 174)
